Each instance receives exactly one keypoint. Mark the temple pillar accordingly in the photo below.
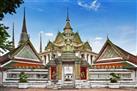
(59, 70)
(49, 73)
(77, 70)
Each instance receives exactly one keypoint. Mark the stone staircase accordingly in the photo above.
(68, 86)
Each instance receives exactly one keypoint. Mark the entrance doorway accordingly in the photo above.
(68, 74)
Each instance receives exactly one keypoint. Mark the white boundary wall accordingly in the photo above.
(100, 77)
(36, 79)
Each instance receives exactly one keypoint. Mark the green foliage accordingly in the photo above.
(6, 6)
(4, 43)
(9, 6)
(114, 78)
(23, 77)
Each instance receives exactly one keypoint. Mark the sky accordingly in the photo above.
(93, 19)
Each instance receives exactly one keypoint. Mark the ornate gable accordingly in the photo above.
(59, 39)
(26, 53)
(49, 46)
(109, 52)
(77, 39)
(87, 47)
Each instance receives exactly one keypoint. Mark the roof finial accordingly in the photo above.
(107, 36)
(24, 29)
(13, 40)
(24, 35)
(67, 26)
(67, 15)
(40, 42)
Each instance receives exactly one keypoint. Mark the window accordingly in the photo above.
(82, 55)
(31, 75)
(12, 75)
(54, 55)
(42, 76)
(126, 75)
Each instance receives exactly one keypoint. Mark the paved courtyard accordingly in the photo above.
(44, 89)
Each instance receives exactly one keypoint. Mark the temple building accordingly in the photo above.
(66, 62)
(24, 58)
(113, 59)
(69, 55)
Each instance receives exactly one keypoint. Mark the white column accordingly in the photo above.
(47, 59)
(4, 76)
(133, 76)
(50, 56)
(93, 59)
(89, 61)
(136, 75)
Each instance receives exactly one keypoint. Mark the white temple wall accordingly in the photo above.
(103, 75)
(47, 59)
(36, 77)
(100, 77)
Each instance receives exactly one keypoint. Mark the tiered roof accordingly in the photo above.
(68, 41)
(112, 56)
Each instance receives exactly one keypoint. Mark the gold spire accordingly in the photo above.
(67, 27)
(24, 35)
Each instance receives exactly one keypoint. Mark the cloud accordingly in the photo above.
(49, 34)
(98, 38)
(97, 43)
(94, 5)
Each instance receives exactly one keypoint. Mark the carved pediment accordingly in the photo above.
(27, 53)
(109, 52)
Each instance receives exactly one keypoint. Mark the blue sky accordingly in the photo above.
(93, 19)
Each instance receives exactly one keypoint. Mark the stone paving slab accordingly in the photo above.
(44, 89)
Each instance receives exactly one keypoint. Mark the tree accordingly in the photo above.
(6, 6)
(4, 43)
(23, 77)
(114, 77)
(9, 6)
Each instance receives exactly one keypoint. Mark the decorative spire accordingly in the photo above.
(40, 43)
(67, 15)
(24, 35)
(24, 29)
(107, 37)
(13, 40)
(67, 27)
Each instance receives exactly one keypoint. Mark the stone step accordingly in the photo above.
(67, 85)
